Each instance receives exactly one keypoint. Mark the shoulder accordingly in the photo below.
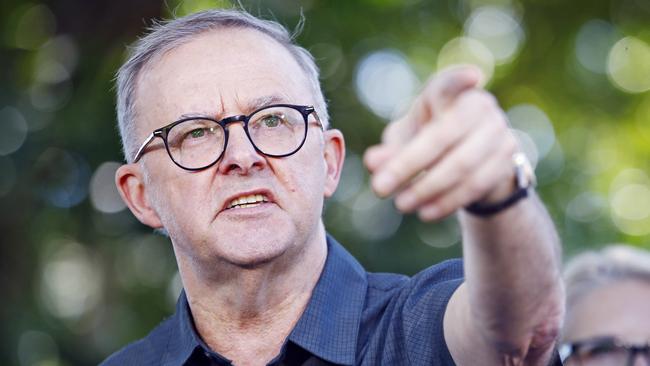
(444, 275)
(403, 315)
(146, 351)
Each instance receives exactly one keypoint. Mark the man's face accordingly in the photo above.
(618, 310)
(220, 74)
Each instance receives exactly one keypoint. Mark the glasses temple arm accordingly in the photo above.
(138, 154)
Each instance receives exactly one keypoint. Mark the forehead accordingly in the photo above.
(218, 72)
(617, 309)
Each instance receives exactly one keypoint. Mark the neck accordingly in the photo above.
(245, 314)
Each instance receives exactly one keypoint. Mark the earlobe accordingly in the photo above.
(334, 154)
(131, 185)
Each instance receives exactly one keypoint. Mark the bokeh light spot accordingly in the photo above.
(56, 60)
(71, 281)
(50, 97)
(352, 179)
(534, 122)
(147, 261)
(61, 177)
(629, 202)
(549, 169)
(628, 65)
(36, 24)
(14, 130)
(586, 207)
(632, 202)
(103, 192)
(384, 82)
(497, 29)
(465, 50)
(373, 218)
(593, 42)
(37, 348)
(628, 176)
(443, 234)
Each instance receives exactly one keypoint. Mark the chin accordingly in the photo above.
(256, 249)
(253, 262)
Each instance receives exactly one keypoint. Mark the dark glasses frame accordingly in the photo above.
(163, 132)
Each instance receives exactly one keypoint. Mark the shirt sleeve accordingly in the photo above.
(424, 304)
(405, 317)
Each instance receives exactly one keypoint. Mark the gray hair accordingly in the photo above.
(592, 270)
(166, 35)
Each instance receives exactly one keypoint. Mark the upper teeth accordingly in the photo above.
(247, 200)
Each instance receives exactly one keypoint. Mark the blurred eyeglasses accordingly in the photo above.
(605, 351)
(196, 143)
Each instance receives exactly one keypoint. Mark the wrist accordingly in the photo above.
(510, 192)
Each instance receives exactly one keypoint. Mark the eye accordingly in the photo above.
(602, 349)
(196, 133)
(272, 120)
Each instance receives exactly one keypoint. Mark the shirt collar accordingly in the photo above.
(182, 340)
(329, 326)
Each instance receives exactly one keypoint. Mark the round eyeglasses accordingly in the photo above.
(196, 143)
(604, 351)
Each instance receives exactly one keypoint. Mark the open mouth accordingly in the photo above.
(247, 201)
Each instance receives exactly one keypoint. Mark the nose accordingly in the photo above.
(240, 156)
(641, 359)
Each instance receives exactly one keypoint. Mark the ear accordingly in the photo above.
(131, 185)
(334, 155)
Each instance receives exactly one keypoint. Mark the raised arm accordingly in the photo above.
(454, 149)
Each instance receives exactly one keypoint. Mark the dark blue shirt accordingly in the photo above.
(353, 318)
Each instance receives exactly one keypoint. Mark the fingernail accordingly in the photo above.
(384, 183)
(405, 201)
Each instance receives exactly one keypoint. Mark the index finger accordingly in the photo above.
(439, 93)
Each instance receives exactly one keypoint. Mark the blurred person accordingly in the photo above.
(229, 151)
(608, 308)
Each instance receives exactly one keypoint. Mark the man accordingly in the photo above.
(237, 168)
(607, 321)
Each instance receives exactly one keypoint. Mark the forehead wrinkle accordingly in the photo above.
(261, 101)
(246, 107)
(215, 114)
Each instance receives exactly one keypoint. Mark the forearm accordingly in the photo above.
(512, 269)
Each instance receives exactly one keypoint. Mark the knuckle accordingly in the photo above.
(419, 191)
(394, 169)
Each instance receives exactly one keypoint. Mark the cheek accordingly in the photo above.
(182, 199)
(308, 175)
(304, 181)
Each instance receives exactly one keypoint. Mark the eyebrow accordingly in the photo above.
(193, 115)
(264, 101)
(255, 104)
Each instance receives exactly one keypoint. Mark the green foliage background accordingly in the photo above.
(115, 279)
